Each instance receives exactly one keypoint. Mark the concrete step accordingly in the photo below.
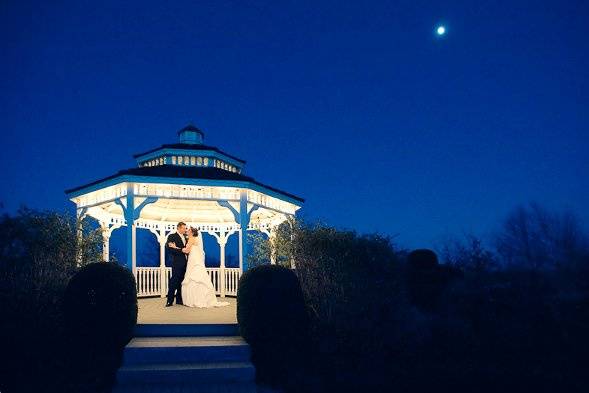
(187, 358)
(186, 330)
(186, 373)
(188, 387)
(177, 350)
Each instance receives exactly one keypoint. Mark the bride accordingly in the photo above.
(197, 288)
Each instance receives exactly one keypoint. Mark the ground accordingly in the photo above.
(153, 310)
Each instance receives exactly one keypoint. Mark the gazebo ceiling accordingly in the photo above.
(170, 210)
(173, 211)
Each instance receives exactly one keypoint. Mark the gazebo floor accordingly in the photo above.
(153, 311)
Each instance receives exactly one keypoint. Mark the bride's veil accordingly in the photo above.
(199, 243)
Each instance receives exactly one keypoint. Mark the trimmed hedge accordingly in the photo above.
(100, 310)
(273, 319)
(100, 305)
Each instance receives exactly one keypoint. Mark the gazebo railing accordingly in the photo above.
(148, 281)
(152, 281)
(232, 276)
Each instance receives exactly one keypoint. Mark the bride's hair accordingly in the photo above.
(194, 231)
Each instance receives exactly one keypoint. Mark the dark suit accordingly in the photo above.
(178, 268)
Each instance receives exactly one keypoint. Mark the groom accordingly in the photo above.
(175, 243)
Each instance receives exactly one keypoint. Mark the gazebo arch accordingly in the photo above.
(191, 182)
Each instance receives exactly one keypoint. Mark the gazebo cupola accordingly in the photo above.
(190, 151)
(191, 135)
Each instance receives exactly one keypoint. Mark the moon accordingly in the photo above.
(441, 30)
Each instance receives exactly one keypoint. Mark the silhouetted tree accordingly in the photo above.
(38, 255)
(468, 254)
(380, 324)
(534, 237)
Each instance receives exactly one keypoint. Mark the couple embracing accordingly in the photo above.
(190, 282)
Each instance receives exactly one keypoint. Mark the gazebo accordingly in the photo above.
(191, 182)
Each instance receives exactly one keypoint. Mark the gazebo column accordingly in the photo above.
(222, 240)
(222, 236)
(271, 232)
(292, 227)
(272, 239)
(243, 224)
(242, 217)
(107, 230)
(131, 241)
(105, 246)
(81, 213)
(132, 213)
(161, 235)
(162, 238)
(244, 221)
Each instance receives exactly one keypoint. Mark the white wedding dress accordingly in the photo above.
(197, 288)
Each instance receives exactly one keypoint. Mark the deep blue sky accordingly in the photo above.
(356, 107)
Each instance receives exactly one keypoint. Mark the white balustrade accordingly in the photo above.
(148, 280)
(232, 276)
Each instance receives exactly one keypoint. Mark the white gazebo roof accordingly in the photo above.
(190, 181)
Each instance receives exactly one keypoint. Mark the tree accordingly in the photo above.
(282, 243)
(534, 237)
(39, 253)
(468, 254)
(36, 240)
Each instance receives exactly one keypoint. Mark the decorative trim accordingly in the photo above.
(147, 201)
(225, 203)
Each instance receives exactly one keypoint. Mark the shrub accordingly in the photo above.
(101, 305)
(515, 329)
(422, 260)
(352, 284)
(482, 326)
(100, 308)
(273, 320)
(427, 279)
(342, 272)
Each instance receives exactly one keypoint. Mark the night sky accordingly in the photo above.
(359, 108)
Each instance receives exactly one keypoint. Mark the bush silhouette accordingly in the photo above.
(422, 259)
(100, 309)
(101, 304)
(38, 257)
(427, 279)
(354, 291)
(273, 320)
